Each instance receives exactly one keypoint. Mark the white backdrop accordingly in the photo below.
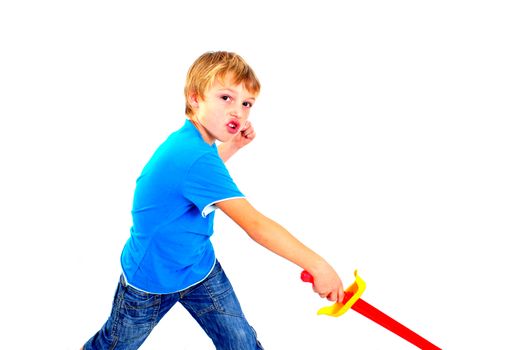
(390, 140)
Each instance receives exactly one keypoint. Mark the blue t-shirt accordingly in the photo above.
(173, 213)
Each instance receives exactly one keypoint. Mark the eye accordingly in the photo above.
(248, 104)
(226, 97)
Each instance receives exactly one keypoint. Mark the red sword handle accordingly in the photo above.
(377, 316)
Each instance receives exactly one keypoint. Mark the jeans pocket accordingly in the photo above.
(214, 294)
(138, 307)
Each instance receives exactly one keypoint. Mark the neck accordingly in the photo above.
(204, 133)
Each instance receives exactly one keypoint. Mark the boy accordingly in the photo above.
(169, 257)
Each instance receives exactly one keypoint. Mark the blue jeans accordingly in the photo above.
(212, 303)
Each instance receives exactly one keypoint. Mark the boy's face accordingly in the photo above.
(223, 110)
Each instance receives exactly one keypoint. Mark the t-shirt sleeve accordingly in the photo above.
(208, 182)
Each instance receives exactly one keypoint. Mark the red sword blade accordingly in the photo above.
(372, 313)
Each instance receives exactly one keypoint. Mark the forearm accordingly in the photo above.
(272, 235)
(226, 150)
(277, 239)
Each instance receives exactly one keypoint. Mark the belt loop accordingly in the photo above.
(123, 281)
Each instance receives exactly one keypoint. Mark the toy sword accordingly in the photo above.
(353, 301)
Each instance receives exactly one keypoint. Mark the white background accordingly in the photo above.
(390, 140)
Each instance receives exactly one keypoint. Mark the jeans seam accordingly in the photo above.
(114, 343)
(216, 305)
(155, 315)
(118, 304)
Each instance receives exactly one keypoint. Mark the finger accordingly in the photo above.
(332, 297)
(249, 134)
(247, 126)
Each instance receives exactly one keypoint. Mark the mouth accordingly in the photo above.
(233, 126)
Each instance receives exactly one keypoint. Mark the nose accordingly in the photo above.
(235, 112)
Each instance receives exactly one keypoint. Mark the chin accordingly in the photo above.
(225, 138)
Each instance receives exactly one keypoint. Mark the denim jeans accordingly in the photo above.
(212, 303)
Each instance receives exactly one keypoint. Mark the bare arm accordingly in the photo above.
(277, 239)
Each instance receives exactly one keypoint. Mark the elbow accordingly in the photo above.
(255, 230)
(262, 230)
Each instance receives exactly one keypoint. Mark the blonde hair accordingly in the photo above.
(216, 65)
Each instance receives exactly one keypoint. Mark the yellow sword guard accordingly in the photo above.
(356, 290)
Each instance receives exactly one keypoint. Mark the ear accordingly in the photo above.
(193, 99)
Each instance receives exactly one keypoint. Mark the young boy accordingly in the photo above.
(169, 257)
